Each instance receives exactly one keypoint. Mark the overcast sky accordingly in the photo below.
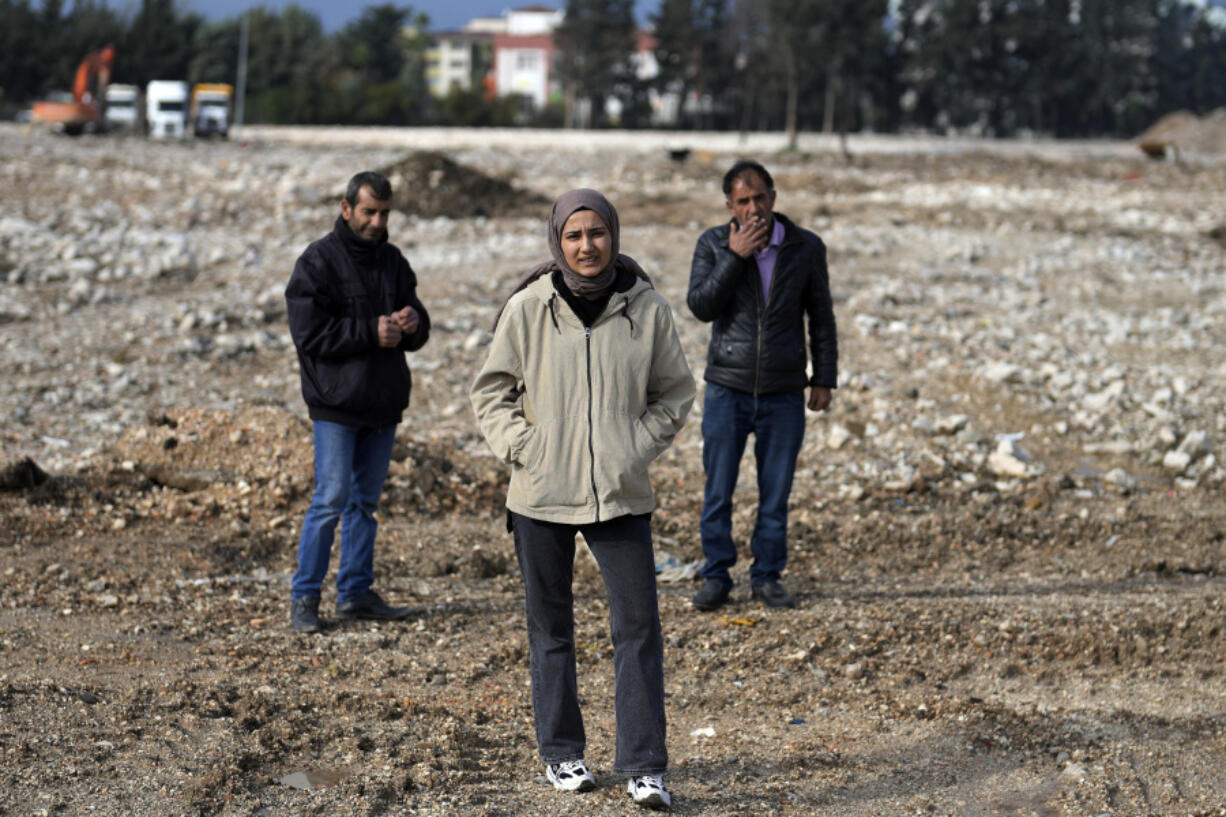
(444, 14)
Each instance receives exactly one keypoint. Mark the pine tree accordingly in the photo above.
(595, 42)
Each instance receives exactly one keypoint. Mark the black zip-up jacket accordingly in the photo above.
(758, 343)
(334, 299)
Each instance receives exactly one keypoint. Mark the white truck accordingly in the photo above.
(210, 109)
(166, 104)
(122, 107)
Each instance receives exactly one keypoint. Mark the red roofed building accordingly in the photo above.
(524, 54)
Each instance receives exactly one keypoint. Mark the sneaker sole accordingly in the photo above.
(653, 801)
(585, 785)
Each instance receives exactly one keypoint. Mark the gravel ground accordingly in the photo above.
(1007, 537)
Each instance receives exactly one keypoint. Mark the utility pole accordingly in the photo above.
(241, 94)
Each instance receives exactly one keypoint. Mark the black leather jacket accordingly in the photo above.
(758, 344)
(334, 306)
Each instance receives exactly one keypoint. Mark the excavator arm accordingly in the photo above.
(89, 88)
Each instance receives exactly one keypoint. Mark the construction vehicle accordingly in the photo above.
(166, 103)
(83, 112)
(210, 109)
(122, 108)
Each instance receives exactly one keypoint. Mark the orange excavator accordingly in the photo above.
(88, 93)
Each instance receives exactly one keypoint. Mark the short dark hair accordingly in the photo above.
(379, 186)
(745, 166)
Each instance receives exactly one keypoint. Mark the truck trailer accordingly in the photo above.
(122, 107)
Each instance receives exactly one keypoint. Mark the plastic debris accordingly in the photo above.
(738, 621)
(312, 779)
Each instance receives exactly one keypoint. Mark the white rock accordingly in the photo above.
(951, 424)
(1061, 381)
(866, 324)
(1157, 412)
(1073, 773)
(1105, 399)
(837, 437)
(81, 267)
(475, 339)
(1195, 444)
(81, 292)
(1117, 447)
(1177, 461)
(1011, 460)
(1121, 479)
(1001, 372)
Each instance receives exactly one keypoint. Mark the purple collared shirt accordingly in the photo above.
(766, 258)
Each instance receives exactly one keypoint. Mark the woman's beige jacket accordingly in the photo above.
(579, 413)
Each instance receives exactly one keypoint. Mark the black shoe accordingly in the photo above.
(712, 596)
(304, 614)
(772, 594)
(369, 605)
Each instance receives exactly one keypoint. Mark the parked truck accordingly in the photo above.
(210, 109)
(166, 104)
(122, 108)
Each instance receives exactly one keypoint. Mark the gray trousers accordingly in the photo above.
(623, 549)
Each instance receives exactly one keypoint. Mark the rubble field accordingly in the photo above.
(1006, 540)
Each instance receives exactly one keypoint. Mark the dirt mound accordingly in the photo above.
(259, 461)
(190, 448)
(430, 184)
(1185, 132)
(252, 466)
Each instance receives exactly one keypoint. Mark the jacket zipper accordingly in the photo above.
(762, 308)
(757, 289)
(591, 449)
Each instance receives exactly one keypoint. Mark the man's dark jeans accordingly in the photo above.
(622, 547)
(777, 422)
(350, 466)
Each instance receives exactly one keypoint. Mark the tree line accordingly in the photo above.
(1066, 68)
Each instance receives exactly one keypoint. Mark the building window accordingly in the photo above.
(527, 60)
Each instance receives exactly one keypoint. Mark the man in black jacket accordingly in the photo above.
(755, 279)
(353, 313)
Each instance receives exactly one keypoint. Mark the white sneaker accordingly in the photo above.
(648, 790)
(570, 775)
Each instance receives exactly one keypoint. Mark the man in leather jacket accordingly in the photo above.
(353, 313)
(755, 280)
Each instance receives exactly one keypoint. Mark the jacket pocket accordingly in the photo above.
(646, 446)
(556, 468)
(342, 383)
(622, 458)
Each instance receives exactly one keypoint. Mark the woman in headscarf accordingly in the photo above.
(586, 383)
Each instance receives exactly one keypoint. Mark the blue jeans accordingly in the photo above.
(350, 466)
(622, 547)
(778, 425)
